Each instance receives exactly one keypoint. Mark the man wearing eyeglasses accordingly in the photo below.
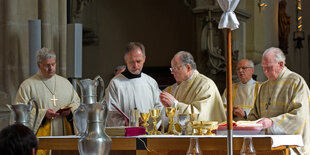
(282, 105)
(192, 92)
(245, 91)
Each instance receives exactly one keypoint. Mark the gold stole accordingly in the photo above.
(45, 130)
(235, 85)
(255, 95)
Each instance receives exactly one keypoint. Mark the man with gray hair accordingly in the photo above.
(52, 92)
(132, 89)
(245, 91)
(193, 92)
(282, 106)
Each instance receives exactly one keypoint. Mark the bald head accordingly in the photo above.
(186, 58)
(182, 66)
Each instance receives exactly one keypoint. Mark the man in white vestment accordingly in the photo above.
(282, 105)
(52, 92)
(132, 89)
(245, 91)
(192, 92)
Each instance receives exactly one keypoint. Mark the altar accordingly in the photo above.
(167, 144)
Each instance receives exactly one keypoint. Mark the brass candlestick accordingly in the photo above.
(145, 117)
(170, 111)
(154, 114)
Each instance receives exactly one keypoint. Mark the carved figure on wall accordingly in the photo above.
(77, 7)
(213, 47)
(284, 22)
(90, 36)
(216, 61)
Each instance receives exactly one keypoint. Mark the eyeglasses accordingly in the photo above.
(176, 68)
(243, 68)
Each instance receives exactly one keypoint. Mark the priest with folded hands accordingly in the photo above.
(52, 92)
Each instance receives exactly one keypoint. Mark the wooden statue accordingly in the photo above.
(284, 22)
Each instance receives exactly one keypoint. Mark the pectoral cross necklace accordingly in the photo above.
(268, 104)
(271, 94)
(53, 99)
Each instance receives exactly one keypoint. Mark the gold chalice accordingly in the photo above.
(154, 114)
(145, 117)
(170, 111)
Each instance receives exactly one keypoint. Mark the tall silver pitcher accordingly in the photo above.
(23, 113)
(88, 89)
(90, 119)
(95, 141)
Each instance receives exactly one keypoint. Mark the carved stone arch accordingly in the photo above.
(212, 47)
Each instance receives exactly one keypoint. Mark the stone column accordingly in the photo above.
(255, 32)
(62, 37)
(15, 47)
(47, 12)
(34, 35)
(14, 69)
(54, 19)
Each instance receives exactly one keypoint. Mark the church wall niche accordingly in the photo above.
(211, 41)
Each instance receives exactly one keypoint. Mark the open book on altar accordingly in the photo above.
(121, 112)
(249, 124)
(241, 128)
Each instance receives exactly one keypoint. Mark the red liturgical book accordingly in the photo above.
(63, 109)
(135, 131)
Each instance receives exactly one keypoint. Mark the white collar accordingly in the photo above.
(248, 83)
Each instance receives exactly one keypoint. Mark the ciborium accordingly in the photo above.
(154, 113)
(170, 111)
(193, 117)
(196, 128)
(145, 117)
(209, 126)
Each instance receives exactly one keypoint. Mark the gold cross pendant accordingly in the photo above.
(54, 99)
